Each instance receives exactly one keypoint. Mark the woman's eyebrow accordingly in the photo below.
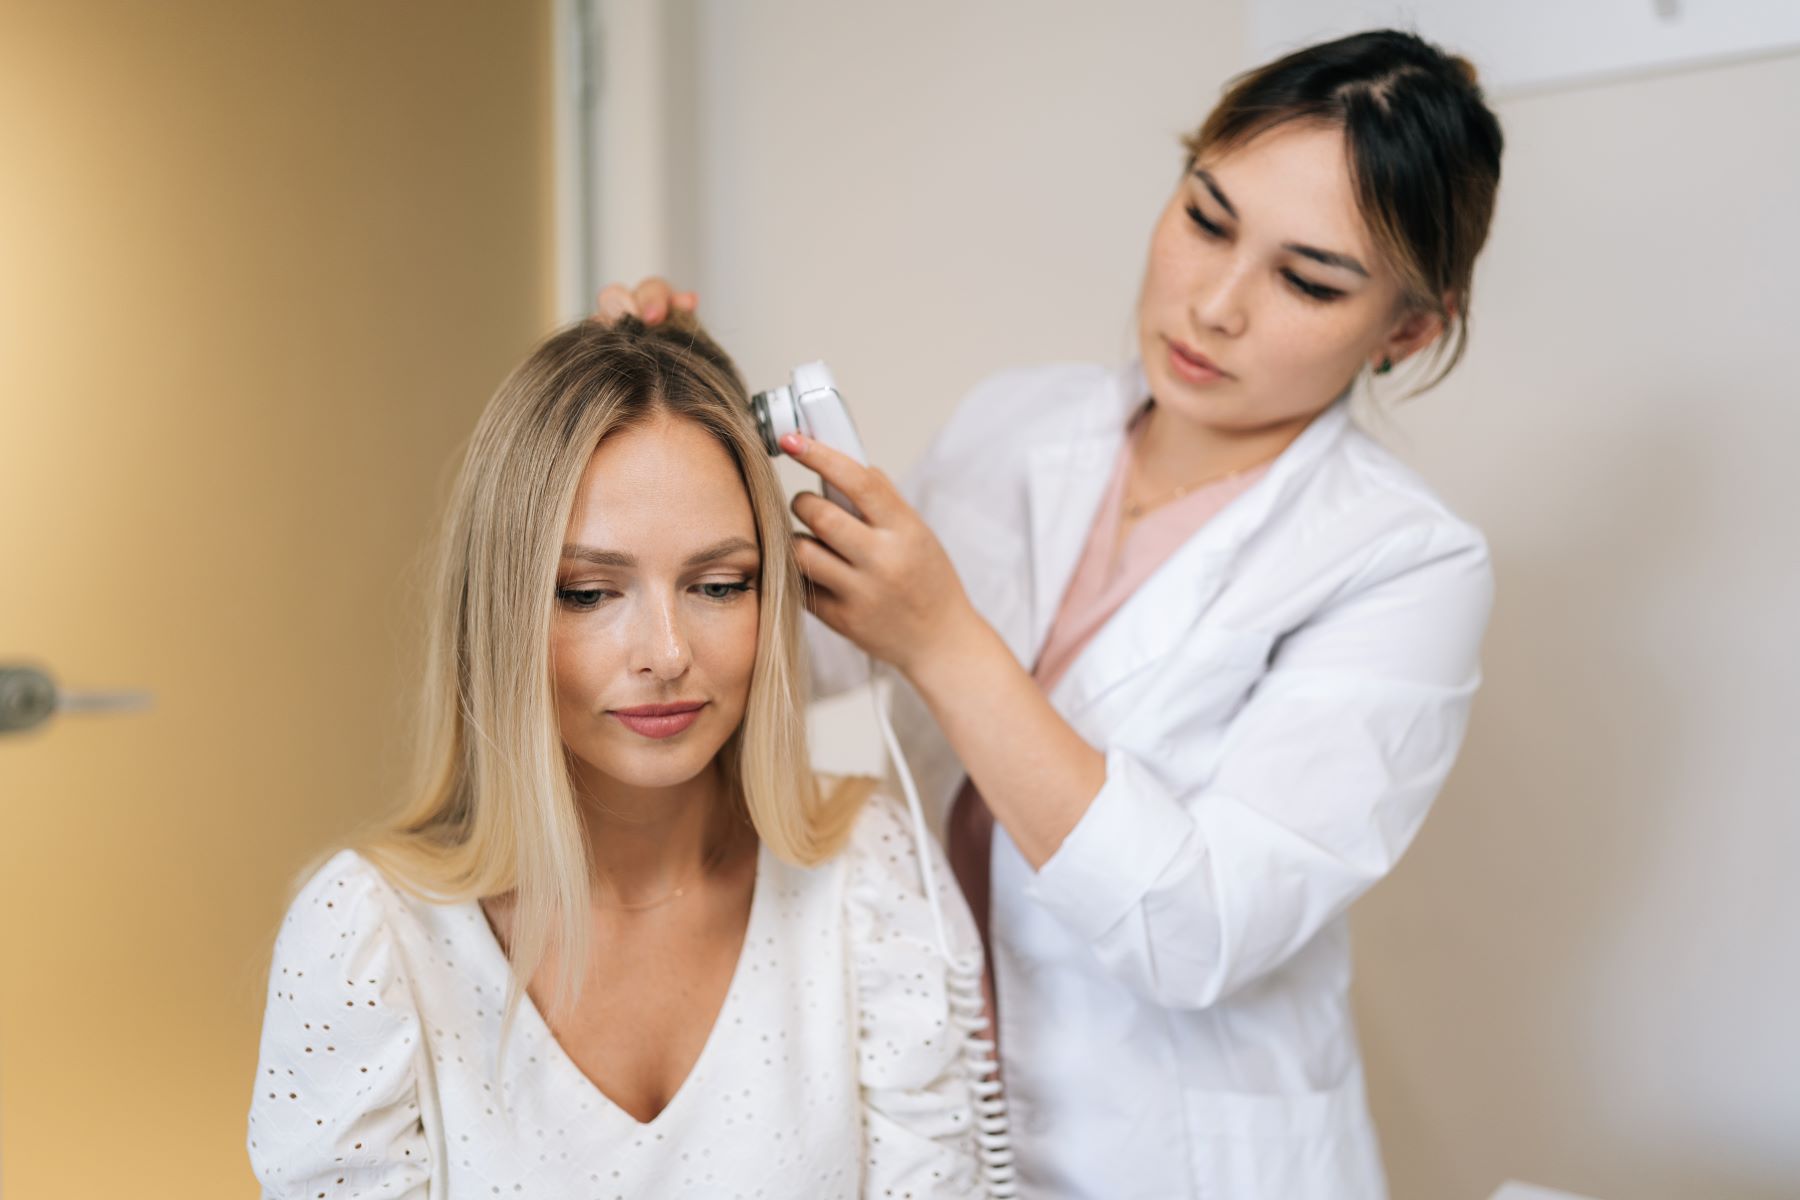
(724, 549)
(618, 558)
(598, 557)
(1212, 185)
(1329, 257)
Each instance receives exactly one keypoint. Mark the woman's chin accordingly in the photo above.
(673, 763)
(1217, 405)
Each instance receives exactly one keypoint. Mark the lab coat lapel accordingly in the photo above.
(1166, 606)
(1065, 482)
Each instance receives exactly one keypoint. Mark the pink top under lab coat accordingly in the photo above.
(1105, 577)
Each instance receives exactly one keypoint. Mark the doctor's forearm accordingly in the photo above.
(1036, 773)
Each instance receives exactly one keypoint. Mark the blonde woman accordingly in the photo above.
(619, 942)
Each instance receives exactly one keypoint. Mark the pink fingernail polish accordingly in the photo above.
(794, 443)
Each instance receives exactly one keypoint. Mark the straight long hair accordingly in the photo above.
(490, 808)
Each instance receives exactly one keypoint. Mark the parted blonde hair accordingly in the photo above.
(490, 808)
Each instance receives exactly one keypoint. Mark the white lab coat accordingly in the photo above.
(1278, 705)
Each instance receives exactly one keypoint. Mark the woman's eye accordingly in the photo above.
(724, 591)
(580, 599)
(1311, 290)
(1206, 226)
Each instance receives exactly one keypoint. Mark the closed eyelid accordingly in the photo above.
(573, 569)
(1200, 218)
(1316, 291)
(1313, 290)
(745, 574)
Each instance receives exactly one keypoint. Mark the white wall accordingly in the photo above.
(1582, 974)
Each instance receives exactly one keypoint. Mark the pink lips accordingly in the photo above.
(659, 720)
(1193, 366)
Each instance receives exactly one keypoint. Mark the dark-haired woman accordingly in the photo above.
(1184, 655)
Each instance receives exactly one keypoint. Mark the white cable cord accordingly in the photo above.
(967, 1009)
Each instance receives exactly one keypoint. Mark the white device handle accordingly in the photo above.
(825, 417)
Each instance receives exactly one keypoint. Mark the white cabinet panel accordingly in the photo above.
(1527, 45)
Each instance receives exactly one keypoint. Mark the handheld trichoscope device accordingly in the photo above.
(812, 405)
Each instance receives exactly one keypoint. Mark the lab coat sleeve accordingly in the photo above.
(1324, 775)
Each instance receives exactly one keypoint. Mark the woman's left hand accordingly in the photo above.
(883, 581)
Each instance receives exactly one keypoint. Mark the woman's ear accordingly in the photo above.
(1416, 329)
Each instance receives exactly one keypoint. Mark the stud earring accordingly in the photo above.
(1387, 364)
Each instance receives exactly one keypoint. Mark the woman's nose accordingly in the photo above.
(1219, 305)
(661, 646)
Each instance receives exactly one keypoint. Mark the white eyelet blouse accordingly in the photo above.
(833, 1068)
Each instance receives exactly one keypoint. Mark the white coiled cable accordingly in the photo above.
(993, 1134)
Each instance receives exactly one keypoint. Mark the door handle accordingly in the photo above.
(29, 697)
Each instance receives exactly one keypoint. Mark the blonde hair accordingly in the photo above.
(490, 808)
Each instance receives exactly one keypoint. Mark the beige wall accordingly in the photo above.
(929, 192)
(1584, 973)
(260, 266)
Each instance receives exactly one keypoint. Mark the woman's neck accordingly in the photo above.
(645, 842)
(1173, 451)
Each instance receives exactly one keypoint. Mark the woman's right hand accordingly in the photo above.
(650, 301)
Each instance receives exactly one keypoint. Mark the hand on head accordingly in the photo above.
(650, 301)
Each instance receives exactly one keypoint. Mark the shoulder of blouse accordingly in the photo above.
(336, 1081)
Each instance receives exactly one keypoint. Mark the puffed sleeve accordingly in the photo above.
(918, 1095)
(1190, 891)
(336, 1109)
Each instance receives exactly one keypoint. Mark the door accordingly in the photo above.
(260, 267)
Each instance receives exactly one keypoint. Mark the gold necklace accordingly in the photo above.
(712, 860)
(1135, 509)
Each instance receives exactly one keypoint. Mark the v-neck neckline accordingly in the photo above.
(529, 1014)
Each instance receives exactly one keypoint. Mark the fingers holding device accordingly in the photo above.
(810, 405)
